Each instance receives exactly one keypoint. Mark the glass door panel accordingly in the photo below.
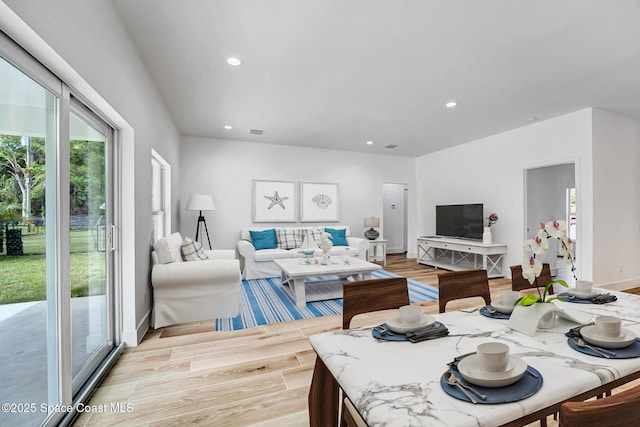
(28, 262)
(88, 238)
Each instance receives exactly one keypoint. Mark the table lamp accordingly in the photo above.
(201, 202)
(372, 222)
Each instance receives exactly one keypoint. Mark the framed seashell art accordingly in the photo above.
(319, 202)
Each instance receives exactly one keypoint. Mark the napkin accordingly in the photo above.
(454, 364)
(604, 298)
(429, 333)
(575, 332)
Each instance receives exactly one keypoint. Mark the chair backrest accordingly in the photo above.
(618, 410)
(519, 283)
(462, 284)
(365, 296)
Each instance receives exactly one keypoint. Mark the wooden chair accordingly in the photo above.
(519, 283)
(620, 410)
(365, 296)
(462, 284)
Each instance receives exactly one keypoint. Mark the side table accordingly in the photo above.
(377, 251)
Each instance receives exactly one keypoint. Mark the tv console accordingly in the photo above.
(461, 254)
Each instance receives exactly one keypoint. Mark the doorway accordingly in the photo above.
(394, 215)
(550, 194)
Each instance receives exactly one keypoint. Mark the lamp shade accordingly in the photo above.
(372, 222)
(200, 202)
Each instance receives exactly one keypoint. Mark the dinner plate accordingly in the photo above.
(625, 339)
(470, 369)
(502, 308)
(582, 295)
(396, 326)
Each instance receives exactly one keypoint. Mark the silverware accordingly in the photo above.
(470, 311)
(533, 374)
(606, 353)
(490, 310)
(453, 380)
(384, 330)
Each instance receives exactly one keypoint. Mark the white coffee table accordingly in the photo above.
(294, 272)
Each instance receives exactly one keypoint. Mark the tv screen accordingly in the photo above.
(463, 221)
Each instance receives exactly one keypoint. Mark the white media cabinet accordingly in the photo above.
(460, 254)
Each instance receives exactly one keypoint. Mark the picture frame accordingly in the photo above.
(274, 201)
(319, 202)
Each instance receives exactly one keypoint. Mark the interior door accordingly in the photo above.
(395, 217)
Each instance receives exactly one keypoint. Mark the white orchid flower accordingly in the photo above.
(538, 244)
(556, 229)
(566, 249)
(531, 269)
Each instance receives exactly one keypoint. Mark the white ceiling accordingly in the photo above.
(336, 73)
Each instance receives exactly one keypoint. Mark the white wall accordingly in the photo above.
(225, 169)
(616, 216)
(491, 171)
(85, 43)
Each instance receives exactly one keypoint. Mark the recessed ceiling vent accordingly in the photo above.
(391, 146)
(255, 131)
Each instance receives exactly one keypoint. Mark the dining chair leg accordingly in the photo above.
(543, 422)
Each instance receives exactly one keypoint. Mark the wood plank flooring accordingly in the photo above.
(192, 375)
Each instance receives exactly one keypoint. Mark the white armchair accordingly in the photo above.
(186, 292)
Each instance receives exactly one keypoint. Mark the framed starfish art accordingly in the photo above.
(274, 201)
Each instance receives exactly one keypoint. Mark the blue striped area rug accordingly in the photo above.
(263, 302)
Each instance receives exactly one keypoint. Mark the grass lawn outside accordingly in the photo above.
(23, 278)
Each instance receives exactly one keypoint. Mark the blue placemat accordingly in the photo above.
(569, 298)
(494, 315)
(621, 353)
(396, 335)
(526, 386)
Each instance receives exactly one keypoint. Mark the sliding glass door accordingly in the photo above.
(56, 242)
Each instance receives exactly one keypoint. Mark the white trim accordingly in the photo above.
(622, 285)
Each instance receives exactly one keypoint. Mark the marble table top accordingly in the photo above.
(395, 383)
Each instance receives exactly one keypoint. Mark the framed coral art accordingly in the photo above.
(274, 201)
(319, 202)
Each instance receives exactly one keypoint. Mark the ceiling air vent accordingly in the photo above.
(391, 146)
(255, 131)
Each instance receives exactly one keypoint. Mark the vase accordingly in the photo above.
(528, 319)
(548, 319)
(486, 236)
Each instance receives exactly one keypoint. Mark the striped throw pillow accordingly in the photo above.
(192, 251)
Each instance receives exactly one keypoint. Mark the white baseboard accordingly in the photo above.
(131, 338)
(622, 285)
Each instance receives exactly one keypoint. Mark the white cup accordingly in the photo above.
(608, 326)
(509, 298)
(493, 356)
(584, 286)
(410, 314)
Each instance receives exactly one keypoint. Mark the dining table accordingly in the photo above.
(394, 382)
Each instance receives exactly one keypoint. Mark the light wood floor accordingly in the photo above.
(192, 375)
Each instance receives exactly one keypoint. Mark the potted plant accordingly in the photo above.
(540, 314)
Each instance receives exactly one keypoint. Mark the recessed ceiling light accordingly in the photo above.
(451, 104)
(227, 127)
(234, 61)
(369, 142)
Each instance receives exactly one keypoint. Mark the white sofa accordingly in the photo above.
(190, 291)
(258, 264)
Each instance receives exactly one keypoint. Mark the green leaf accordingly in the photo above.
(529, 299)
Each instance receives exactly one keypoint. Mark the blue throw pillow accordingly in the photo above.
(264, 239)
(338, 236)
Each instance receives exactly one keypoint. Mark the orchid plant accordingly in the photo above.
(532, 267)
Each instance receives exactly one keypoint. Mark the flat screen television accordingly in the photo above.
(461, 221)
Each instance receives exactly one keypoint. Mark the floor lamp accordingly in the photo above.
(201, 202)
